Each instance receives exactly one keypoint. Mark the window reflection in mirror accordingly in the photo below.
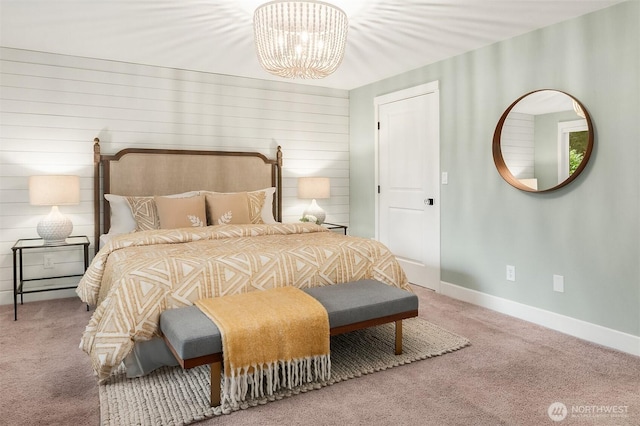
(542, 141)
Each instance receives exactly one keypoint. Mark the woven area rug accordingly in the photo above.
(172, 396)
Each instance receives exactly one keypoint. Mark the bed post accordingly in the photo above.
(96, 193)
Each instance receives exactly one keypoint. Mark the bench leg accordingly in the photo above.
(399, 337)
(216, 369)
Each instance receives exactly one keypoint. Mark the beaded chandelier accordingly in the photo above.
(300, 39)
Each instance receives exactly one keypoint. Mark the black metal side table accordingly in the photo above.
(335, 226)
(38, 243)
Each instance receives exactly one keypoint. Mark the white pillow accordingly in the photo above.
(122, 220)
(267, 207)
(104, 239)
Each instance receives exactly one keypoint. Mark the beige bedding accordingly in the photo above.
(137, 276)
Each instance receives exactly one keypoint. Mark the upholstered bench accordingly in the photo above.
(195, 340)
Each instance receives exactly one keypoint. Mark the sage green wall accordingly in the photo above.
(588, 231)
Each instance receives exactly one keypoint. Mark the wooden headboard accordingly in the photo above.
(148, 172)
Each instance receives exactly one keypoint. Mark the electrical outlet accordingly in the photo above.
(48, 261)
(445, 178)
(511, 273)
(558, 283)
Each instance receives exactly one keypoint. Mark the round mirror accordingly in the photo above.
(542, 141)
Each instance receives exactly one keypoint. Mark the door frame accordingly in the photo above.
(422, 89)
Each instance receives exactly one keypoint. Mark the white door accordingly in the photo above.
(408, 208)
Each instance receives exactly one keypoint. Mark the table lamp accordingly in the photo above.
(54, 191)
(314, 188)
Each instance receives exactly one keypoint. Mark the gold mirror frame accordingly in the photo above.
(501, 165)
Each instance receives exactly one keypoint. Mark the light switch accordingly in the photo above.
(558, 283)
(445, 178)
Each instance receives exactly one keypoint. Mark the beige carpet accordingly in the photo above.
(172, 396)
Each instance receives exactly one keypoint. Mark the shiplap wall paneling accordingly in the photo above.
(517, 144)
(52, 106)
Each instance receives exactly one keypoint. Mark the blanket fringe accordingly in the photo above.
(258, 381)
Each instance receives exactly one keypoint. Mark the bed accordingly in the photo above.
(177, 225)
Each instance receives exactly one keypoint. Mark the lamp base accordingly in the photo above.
(315, 210)
(55, 227)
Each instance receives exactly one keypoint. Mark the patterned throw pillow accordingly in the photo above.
(181, 212)
(232, 208)
(256, 201)
(260, 204)
(144, 212)
(267, 208)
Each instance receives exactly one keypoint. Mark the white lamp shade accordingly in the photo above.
(54, 190)
(314, 187)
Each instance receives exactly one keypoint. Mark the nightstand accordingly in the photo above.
(38, 243)
(335, 226)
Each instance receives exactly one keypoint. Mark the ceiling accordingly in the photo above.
(544, 102)
(386, 37)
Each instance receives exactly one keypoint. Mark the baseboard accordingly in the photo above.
(584, 330)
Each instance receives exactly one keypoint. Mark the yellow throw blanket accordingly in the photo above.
(270, 339)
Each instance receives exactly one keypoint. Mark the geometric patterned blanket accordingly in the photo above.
(137, 276)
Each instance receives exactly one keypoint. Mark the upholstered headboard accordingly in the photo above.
(147, 172)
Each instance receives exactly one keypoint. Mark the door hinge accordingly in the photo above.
(378, 125)
(378, 189)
